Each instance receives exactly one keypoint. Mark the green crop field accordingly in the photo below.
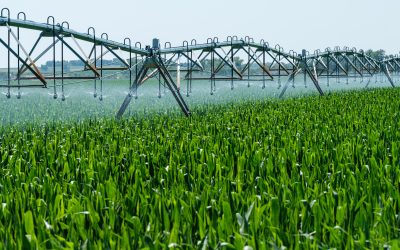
(300, 173)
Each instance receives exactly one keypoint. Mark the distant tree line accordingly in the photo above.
(48, 66)
(376, 54)
(72, 65)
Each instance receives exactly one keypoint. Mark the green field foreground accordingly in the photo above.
(302, 173)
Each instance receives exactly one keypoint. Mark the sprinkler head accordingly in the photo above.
(63, 97)
(101, 98)
(19, 95)
(95, 95)
(55, 96)
(8, 95)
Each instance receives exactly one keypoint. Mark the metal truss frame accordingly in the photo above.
(212, 61)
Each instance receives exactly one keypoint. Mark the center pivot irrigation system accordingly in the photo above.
(213, 61)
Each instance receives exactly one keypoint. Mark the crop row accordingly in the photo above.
(314, 172)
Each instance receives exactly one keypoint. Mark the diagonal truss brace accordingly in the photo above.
(227, 62)
(314, 79)
(261, 65)
(32, 63)
(352, 64)
(338, 64)
(291, 79)
(385, 70)
(86, 62)
(38, 76)
(24, 69)
(277, 61)
(312, 73)
(154, 62)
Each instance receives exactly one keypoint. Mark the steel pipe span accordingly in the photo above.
(212, 61)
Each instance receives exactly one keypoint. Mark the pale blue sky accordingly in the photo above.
(294, 24)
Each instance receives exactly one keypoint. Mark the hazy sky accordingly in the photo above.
(294, 24)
